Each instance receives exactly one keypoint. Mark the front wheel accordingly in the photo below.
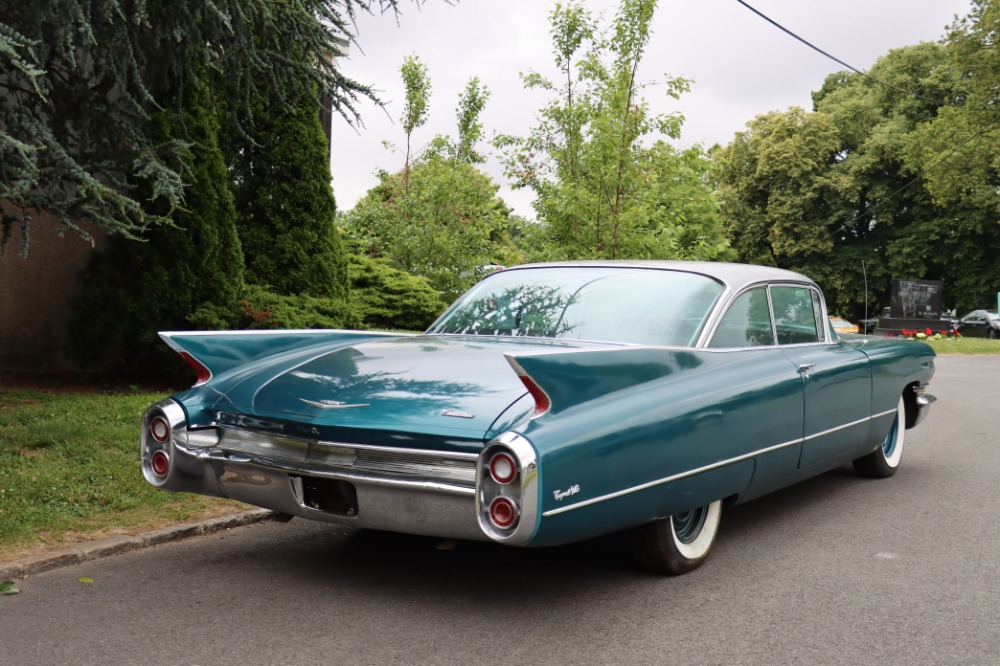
(680, 543)
(884, 461)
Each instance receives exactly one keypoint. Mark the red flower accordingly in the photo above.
(929, 332)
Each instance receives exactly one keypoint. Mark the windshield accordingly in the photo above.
(612, 304)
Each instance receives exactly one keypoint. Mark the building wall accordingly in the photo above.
(35, 294)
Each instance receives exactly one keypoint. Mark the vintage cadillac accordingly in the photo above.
(551, 403)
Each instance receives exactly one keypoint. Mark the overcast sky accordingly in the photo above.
(741, 65)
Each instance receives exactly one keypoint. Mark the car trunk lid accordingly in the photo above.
(427, 386)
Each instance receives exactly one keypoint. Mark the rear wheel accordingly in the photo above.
(884, 461)
(680, 543)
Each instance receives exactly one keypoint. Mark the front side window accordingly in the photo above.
(796, 320)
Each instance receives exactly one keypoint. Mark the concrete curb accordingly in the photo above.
(95, 550)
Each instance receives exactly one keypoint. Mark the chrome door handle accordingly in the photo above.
(804, 369)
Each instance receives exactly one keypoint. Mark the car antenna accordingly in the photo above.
(865, 274)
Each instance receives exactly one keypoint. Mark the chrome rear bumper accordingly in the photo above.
(417, 492)
(427, 508)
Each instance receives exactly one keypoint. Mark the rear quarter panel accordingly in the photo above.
(627, 428)
(896, 364)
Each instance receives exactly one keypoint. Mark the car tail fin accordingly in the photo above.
(561, 380)
(211, 353)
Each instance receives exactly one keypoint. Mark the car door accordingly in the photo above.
(836, 377)
(767, 385)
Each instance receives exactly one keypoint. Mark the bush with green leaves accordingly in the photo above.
(444, 224)
(387, 298)
(382, 297)
(260, 308)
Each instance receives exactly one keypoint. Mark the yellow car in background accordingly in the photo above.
(842, 325)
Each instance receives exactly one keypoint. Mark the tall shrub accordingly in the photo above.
(285, 203)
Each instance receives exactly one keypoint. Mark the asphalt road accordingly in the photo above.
(838, 570)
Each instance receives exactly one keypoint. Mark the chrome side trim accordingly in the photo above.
(847, 425)
(707, 468)
(885, 413)
(675, 477)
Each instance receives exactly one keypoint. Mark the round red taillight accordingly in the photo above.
(159, 429)
(503, 512)
(159, 462)
(503, 469)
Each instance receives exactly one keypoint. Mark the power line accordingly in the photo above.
(838, 60)
(924, 171)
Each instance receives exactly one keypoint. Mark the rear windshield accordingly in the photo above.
(612, 304)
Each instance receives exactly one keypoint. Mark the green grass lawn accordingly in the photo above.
(964, 345)
(69, 470)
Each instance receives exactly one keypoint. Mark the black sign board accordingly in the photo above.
(916, 299)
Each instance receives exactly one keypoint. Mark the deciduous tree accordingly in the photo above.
(957, 154)
(599, 183)
(440, 217)
(846, 193)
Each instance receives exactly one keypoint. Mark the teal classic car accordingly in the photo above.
(551, 403)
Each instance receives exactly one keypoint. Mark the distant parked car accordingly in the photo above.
(980, 324)
(841, 325)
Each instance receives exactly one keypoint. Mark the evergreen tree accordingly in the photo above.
(80, 78)
(285, 204)
(134, 289)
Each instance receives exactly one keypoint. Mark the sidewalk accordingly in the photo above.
(95, 550)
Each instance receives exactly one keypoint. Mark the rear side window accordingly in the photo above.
(795, 315)
(747, 322)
